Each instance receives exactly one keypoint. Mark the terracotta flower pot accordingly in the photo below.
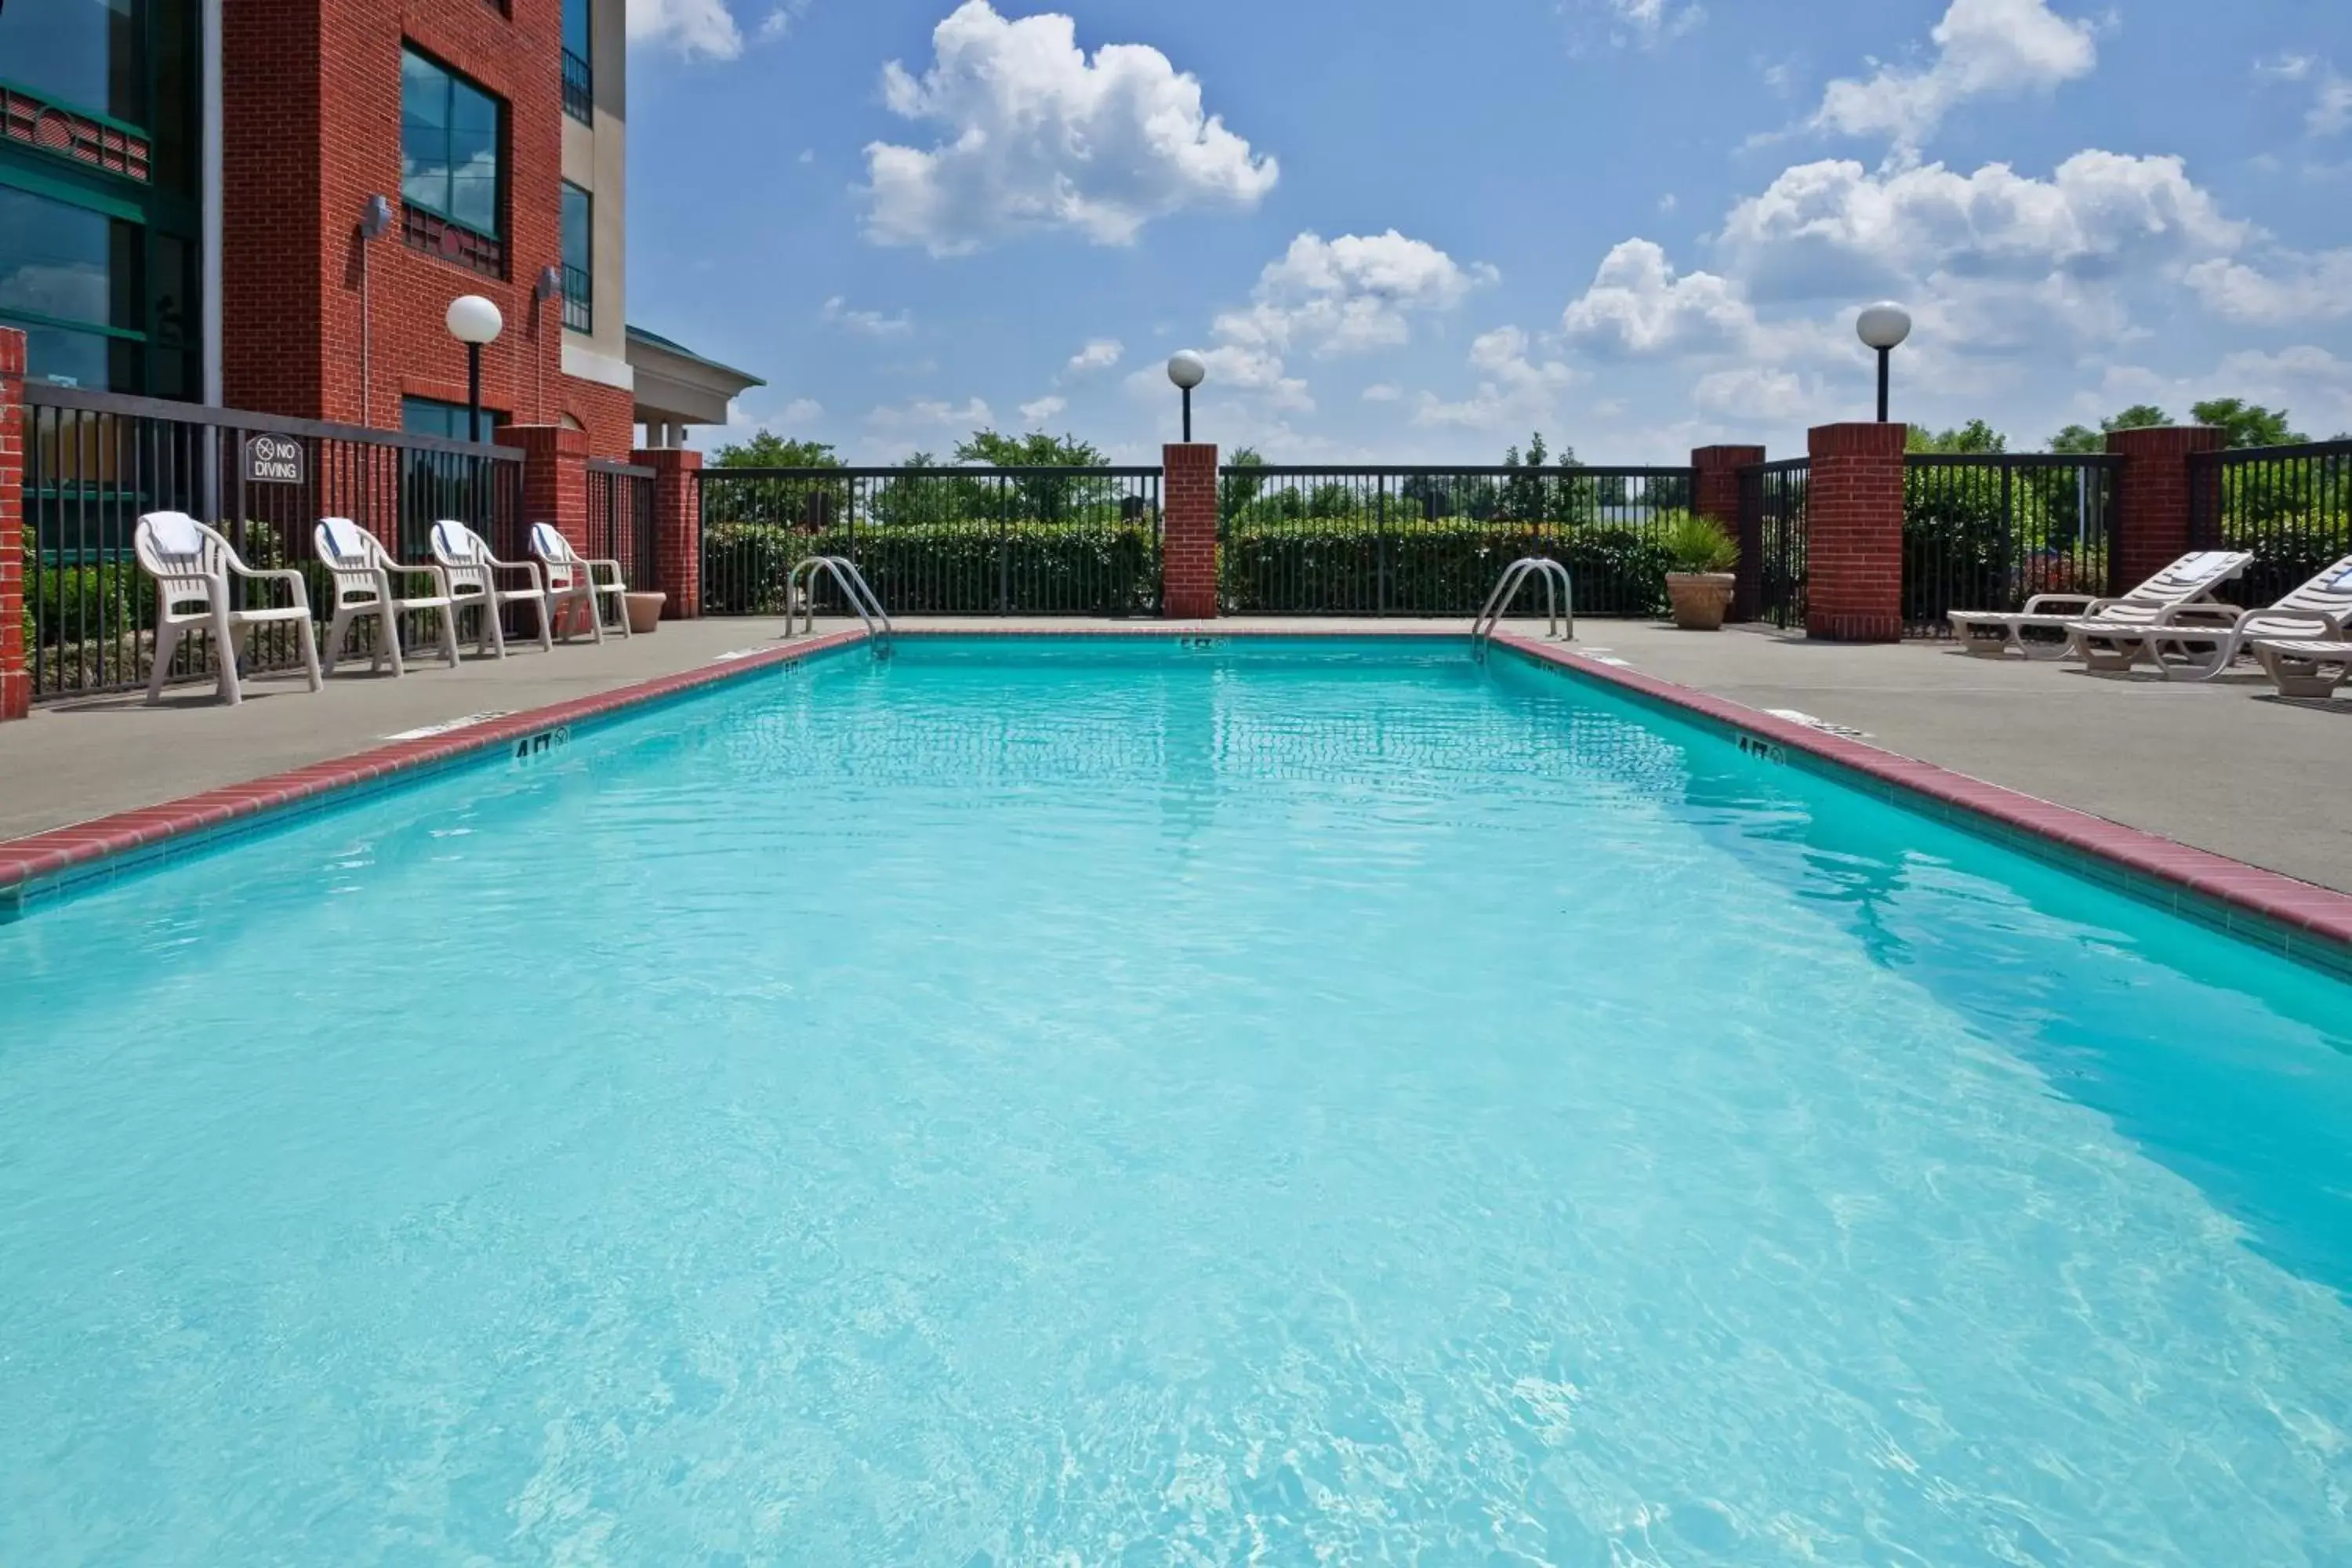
(644, 610)
(1701, 599)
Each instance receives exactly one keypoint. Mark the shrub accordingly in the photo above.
(945, 568)
(1698, 545)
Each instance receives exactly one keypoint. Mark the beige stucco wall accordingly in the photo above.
(595, 159)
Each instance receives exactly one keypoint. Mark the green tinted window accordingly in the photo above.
(449, 151)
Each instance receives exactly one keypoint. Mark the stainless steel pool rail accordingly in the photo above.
(1560, 601)
(802, 596)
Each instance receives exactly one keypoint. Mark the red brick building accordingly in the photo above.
(270, 205)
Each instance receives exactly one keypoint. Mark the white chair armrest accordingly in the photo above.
(2065, 604)
(292, 579)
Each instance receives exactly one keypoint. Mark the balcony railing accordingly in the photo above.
(579, 89)
(579, 300)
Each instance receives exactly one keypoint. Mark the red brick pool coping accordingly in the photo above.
(2295, 919)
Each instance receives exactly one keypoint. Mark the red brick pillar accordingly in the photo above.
(554, 477)
(1188, 538)
(2152, 498)
(678, 527)
(1853, 528)
(15, 679)
(1714, 496)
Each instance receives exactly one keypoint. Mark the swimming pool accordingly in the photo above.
(1041, 1101)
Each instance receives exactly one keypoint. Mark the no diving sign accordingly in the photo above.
(273, 460)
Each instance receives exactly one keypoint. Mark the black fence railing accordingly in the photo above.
(1433, 542)
(621, 520)
(2290, 506)
(1770, 584)
(944, 542)
(1990, 530)
(579, 89)
(579, 299)
(95, 461)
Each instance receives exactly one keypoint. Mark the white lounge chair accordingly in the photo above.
(573, 580)
(2305, 666)
(1991, 634)
(2321, 610)
(471, 573)
(365, 575)
(192, 565)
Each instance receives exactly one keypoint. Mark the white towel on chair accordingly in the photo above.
(175, 533)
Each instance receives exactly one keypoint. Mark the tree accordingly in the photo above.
(1038, 450)
(2249, 423)
(2082, 440)
(769, 450)
(1237, 491)
(1975, 436)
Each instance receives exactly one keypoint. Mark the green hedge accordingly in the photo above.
(1093, 567)
(1445, 567)
(1327, 566)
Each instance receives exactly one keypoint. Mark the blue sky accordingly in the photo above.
(1405, 232)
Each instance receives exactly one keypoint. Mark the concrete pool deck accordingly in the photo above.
(2224, 767)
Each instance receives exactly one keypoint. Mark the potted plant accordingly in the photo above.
(1699, 559)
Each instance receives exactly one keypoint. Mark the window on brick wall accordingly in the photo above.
(452, 147)
(579, 251)
(579, 75)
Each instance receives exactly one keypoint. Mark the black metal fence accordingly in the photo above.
(1773, 499)
(2291, 506)
(621, 520)
(1433, 542)
(95, 461)
(1990, 530)
(941, 542)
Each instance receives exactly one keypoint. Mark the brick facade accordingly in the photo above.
(310, 130)
(2152, 496)
(677, 531)
(1188, 562)
(1854, 521)
(16, 675)
(1714, 496)
(554, 477)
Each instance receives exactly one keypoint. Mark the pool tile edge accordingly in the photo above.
(40, 867)
(2295, 919)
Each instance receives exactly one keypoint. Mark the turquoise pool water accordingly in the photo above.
(1099, 1102)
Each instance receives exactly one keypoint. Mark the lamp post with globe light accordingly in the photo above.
(1884, 327)
(1187, 370)
(473, 321)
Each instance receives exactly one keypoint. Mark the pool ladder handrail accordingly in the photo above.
(1560, 600)
(802, 597)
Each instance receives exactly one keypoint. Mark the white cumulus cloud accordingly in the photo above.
(1983, 48)
(1638, 305)
(1348, 295)
(1515, 387)
(1834, 230)
(1099, 353)
(866, 323)
(2300, 288)
(704, 28)
(1037, 135)
(1034, 414)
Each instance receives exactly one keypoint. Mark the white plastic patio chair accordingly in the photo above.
(471, 573)
(2320, 611)
(2305, 666)
(2192, 579)
(574, 580)
(365, 575)
(192, 565)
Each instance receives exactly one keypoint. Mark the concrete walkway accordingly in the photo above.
(2224, 767)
